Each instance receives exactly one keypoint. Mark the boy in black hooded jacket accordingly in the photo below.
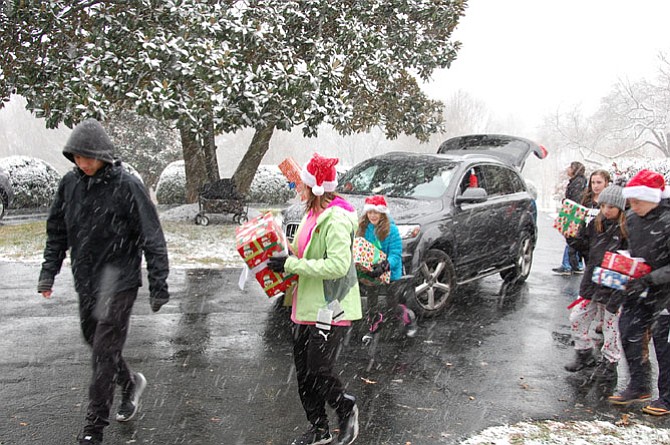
(647, 298)
(103, 215)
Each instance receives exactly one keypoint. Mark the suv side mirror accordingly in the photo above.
(472, 195)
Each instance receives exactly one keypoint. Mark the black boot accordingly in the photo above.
(605, 376)
(583, 359)
(605, 371)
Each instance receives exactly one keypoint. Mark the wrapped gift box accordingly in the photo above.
(609, 278)
(366, 255)
(291, 170)
(633, 267)
(274, 283)
(570, 217)
(258, 239)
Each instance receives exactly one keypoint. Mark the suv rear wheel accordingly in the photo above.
(523, 262)
(434, 283)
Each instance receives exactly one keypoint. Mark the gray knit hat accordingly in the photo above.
(89, 139)
(612, 195)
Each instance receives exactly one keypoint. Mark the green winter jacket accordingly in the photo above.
(327, 257)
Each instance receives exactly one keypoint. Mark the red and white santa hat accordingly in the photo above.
(376, 203)
(647, 185)
(320, 175)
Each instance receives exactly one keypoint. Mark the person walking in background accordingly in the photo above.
(378, 228)
(327, 286)
(647, 299)
(605, 233)
(103, 215)
(573, 192)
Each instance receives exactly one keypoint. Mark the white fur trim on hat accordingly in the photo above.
(376, 208)
(310, 180)
(644, 193)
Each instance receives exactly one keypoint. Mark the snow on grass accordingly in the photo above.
(189, 245)
(570, 433)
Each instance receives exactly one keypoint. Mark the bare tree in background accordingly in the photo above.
(631, 120)
(639, 112)
(463, 114)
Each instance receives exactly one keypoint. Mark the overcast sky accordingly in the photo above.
(530, 57)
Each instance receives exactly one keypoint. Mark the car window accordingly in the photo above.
(501, 180)
(473, 177)
(403, 178)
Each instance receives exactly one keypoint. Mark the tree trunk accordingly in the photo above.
(194, 163)
(248, 166)
(200, 160)
(209, 151)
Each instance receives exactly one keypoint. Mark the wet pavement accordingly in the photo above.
(219, 367)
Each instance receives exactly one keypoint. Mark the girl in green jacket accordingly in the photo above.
(325, 301)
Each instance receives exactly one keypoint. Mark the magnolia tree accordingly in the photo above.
(219, 66)
(147, 144)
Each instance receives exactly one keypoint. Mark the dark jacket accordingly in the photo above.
(107, 221)
(649, 238)
(592, 246)
(575, 188)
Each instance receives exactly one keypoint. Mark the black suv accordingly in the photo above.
(463, 213)
(6, 192)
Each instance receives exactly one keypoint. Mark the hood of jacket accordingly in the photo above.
(90, 140)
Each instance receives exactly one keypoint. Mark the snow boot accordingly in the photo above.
(605, 371)
(583, 359)
(605, 376)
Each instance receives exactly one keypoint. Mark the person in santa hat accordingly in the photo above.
(324, 264)
(378, 228)
(646, 299)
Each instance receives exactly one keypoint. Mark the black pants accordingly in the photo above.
(396, 303)
(104, 323)
(315, 352)
(636, 321)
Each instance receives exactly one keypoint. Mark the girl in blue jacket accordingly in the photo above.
(378, 228)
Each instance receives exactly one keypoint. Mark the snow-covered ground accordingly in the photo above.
(214, 247)
(570, 433)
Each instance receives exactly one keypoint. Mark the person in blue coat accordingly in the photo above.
(378, 228)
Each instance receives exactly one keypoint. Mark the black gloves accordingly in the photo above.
(157, 302)
(635, 287)
(379, 269)
(615, 300)
(276, 262)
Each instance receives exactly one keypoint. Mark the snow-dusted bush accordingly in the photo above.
(132, 170)
(34, 181)
(171, 188)
(270, 186)
(622, 169)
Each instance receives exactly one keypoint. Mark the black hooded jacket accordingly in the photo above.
(575, 189)
(106, 221)
(649, 238)
(592, 246)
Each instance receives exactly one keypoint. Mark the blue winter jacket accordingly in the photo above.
(391, 246)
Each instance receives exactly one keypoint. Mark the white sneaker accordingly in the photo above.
(131, 399)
